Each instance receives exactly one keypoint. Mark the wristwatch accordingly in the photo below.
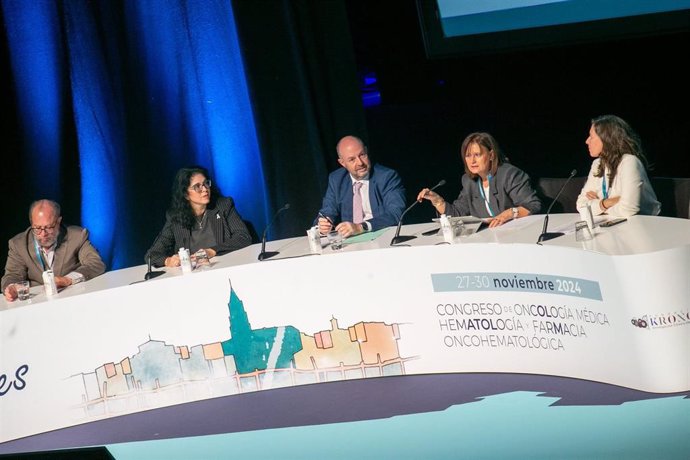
(515, 213)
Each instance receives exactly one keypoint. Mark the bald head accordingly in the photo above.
(45, 219)
(44, 206)
(352, 155)
(349, 143)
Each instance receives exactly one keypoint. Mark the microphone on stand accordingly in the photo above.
(545, 236)
(151, 274)
(263, 255)
(399, 239)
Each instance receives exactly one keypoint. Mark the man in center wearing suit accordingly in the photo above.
(47, 244)
(361, 196)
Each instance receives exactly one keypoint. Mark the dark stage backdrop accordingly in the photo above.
(103, 101)
(538, 103)
(107, 99)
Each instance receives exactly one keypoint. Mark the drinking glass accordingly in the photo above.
(23, 289)
(336, 240)
(582, 232)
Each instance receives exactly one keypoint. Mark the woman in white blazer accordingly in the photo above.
(617, 184)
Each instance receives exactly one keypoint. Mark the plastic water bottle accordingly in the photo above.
(314, 240)
(447, 229)
(185, 260)
(49, 283)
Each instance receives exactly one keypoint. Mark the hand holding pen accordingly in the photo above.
(325, 224)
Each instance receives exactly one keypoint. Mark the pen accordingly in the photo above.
(327, 218)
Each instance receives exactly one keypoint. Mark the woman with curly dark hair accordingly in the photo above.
(617, 184)
(198, 218)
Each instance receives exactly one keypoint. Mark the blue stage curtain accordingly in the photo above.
(145, 87)
(35, 50)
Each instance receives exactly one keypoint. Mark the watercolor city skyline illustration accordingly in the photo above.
(162, 374)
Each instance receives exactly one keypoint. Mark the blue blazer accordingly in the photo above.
(386, 195)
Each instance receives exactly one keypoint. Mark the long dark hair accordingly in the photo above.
(618, 139)
(485, 141)
(180, 210)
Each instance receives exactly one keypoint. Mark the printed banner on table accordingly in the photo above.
(523, 309)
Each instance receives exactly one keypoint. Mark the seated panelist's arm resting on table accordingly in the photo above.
(386, 197)
(629, 194)
(88, 263)
(164, 246)
(16, 270)
(75, 260)
(329, 214)
(228, 228)
(16, 267)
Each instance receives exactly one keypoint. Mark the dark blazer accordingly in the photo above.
(73, 253)
(386, 195)
(509, 188)
(227, 225)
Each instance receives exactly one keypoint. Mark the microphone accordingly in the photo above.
(400, 239)
(151, 274)
(263, 255)
(545, 236)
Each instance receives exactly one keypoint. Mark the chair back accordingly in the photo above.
(674, 195)
(547, 188)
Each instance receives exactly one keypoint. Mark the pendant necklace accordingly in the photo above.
(200, 220)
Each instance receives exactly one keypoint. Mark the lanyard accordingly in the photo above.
(481, 192)
(41, 258)
(604, 191)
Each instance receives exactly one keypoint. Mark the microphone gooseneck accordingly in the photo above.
(400, 239)
(545, 236)
(263, 255)
(151, 274)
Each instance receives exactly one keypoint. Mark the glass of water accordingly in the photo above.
(23, 289)
(582, 231)
(335, 239)
(201, 260)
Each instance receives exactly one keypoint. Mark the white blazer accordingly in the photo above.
(631, 184)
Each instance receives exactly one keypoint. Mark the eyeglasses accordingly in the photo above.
(48, 229)
(197, 187)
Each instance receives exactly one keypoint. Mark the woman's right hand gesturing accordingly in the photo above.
(436, 200)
